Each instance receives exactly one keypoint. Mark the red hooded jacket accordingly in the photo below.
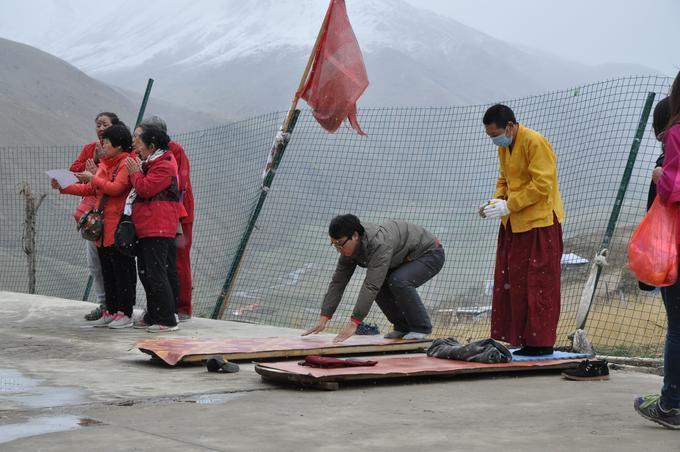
(78, 165)
(156, 210)
(186, 193)
(116, 191)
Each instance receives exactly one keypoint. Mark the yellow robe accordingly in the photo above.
(528, 182)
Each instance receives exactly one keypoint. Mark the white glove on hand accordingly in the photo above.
(496, 208)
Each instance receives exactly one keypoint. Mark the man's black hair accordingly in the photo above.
(500, 115)
(345, 226)
(119, 135)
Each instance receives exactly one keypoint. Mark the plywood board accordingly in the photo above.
(401, 366)
(186, 349)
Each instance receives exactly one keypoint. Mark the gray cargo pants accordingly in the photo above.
(398, 298)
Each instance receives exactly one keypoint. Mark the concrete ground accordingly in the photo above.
(66, 387)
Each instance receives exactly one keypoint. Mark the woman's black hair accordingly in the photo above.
(119, 136)
(154, 135)
(112, 116)
(345, 226)
(662, 113)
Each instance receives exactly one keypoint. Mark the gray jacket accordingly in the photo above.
(382, 248)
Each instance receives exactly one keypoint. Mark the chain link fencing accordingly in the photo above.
(430, 166)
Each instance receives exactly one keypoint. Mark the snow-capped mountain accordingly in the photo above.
(240, 57)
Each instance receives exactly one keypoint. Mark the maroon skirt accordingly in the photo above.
(526, 293)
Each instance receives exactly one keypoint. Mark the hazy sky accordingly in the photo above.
(590, 31)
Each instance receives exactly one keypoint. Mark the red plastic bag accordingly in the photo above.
(653, 249)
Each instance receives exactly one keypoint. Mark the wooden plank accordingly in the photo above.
(349, 350)
(403, 366)
(191, 350)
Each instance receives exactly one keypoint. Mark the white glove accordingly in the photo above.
(496, 208)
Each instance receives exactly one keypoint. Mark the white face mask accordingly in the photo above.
(502, 140)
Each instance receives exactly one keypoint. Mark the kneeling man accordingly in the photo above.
(398, 257)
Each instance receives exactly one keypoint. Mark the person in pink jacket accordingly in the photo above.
(155, 209)
(664, 408)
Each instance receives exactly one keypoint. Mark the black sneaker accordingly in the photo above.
(529, 350)
(588, 370)
(367, 329)
(649, 407)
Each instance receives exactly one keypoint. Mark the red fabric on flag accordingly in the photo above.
(338, 76)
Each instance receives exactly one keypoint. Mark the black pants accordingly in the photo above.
(157, 266)
(398, 298)
(120, 280)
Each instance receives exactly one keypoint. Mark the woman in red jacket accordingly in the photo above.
(93, 151)
(186, 199)
(155, 208)
(110, 184)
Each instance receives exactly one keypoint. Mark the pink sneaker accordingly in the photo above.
(140, 324)
(161, 328)
(104, 320)
(120, 321)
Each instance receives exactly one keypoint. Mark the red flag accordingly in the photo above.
(338, 76)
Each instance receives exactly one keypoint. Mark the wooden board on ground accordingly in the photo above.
(187, 349)
(399, 366)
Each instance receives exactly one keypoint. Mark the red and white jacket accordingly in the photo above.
(156, 209)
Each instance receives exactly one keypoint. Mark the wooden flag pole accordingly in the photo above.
(310, 62)
(288, 124)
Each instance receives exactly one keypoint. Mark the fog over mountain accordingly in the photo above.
(236, 58)
(44, 100)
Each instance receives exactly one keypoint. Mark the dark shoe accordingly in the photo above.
(588, 370)
(218, 364)
(649, 407)
(367, 329)
(396, 334)
(528, 350)
(96, 314)
(183, 317)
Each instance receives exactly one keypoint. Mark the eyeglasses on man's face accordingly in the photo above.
(340, 244)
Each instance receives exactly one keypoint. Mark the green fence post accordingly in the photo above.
(223, 299)
(584, 308)
(142, 108)
(140, 115)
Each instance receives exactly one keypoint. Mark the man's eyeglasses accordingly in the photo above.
(339, 245)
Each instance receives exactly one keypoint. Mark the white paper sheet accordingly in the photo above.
(64, 177)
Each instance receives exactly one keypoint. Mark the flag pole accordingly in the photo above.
(287, 127)
(305, 74)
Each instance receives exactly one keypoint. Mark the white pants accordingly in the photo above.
(95, 268)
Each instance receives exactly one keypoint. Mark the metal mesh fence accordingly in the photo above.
(430, 166)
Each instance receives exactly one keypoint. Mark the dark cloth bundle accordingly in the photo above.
(482, 351)
(326, 362)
